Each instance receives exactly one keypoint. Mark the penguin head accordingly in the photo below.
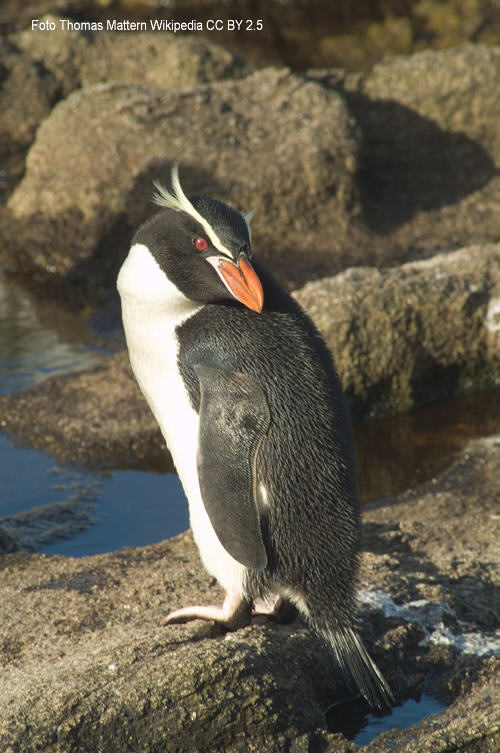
(202, 246)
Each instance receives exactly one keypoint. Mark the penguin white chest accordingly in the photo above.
(152, 309)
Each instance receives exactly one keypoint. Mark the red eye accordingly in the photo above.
(200, 244)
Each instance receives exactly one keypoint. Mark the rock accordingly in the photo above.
(27, 92)
(78, 59)
(108, 674)
(404, 336)
(40, 68)
(85, 666)
(33, 529)
(401, 337)
(438, 542)
(338, 35)
(452, 22)
(453, 88)
(97, 417)
(82, 197)
(7, 543)
(60, 52)
(428, 166)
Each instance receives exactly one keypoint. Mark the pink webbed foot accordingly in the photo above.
(234, 613)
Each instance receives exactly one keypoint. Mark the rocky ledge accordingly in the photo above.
(86, 667)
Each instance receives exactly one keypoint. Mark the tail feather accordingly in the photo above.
(356, 664)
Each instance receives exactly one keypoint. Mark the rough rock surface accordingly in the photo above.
(404, 336)
(78, 59)
(85, 667)
(40, 68)
(82, 228)
(311, 33)
(401, 337)
(22, 113)
(430, 154)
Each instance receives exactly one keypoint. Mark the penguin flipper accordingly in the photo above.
(234, 418)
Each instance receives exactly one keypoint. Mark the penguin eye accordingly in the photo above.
(200, 243)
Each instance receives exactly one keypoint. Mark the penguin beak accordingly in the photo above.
(241, 280)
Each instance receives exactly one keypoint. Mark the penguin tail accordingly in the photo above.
(356, 664)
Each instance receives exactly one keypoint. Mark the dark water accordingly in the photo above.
(361, 726)
(38, 340)
(395, 453)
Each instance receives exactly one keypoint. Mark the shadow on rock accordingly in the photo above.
(408, 164)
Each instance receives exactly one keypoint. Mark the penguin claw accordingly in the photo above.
(234, 613)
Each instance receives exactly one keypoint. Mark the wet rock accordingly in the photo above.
(28, 91)
(97, 417)
(404, 336)
(438, 543)
(401, 337)
(78, 59)
(84, 662)
(7, 542)
(431, 559)
(470, 724)
(35, 528)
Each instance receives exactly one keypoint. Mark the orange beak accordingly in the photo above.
(241, 281)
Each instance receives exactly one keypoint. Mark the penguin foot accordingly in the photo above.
(279, 610)
(234, 613)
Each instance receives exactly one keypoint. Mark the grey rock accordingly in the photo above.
(89, 173)
(404, 336)
(428, 166)
(7, 542)
(33, 529)
(28, 91)
(85, 667)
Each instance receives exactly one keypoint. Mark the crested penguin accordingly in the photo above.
(247, 397)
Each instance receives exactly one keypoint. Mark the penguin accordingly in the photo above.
(247, 397)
